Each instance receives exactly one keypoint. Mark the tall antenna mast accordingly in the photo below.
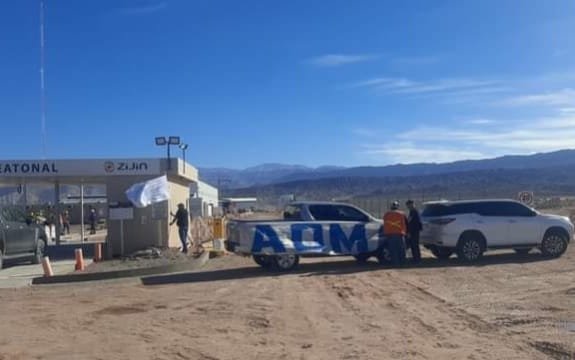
(42, 81)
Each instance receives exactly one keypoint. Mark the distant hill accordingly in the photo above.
(549, 181)
(259, 175)
(276, 173)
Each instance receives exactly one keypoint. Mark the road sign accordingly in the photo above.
(526, 197)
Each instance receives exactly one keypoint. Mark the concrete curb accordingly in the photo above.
(107, 275)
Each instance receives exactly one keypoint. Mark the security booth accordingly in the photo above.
(139, 227)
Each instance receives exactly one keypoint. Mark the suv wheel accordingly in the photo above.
(440, 252)
(554, 244)
(285, 262)
(39, 253)
(470, 247)
(264, 261)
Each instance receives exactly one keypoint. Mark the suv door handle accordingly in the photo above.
(512, 221)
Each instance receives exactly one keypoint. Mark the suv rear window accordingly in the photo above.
(434, 210)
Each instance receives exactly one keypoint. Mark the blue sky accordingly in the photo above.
(313, 82)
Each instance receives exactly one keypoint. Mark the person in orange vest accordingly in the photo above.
(394, 232)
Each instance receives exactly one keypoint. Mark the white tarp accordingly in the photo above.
(149, 192)
(327, 238)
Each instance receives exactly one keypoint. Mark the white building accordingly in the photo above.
(203, 200)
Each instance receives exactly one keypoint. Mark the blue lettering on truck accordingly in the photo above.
(266, 237)
(297, 237)
(337, 237)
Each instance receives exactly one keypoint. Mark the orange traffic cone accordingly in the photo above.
(79, 260)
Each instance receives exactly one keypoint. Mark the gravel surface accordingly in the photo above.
(145, 260)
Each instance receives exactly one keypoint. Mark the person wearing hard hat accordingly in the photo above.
(394, 232)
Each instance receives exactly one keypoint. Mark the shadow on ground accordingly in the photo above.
(335, 268)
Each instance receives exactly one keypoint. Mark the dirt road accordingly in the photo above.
(507, 307)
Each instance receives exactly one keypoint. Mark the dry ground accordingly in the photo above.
(506, 307)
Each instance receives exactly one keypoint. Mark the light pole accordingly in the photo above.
(171, 140)
(184, 147)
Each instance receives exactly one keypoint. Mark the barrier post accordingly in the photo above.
(47, 267)
(97, 252)
(79, 260)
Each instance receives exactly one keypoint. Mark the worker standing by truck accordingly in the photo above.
(394, 232)
(414, 227)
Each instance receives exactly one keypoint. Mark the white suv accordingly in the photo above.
(471, 227)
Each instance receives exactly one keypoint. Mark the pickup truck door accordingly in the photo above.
(344, 214)
(19, 236)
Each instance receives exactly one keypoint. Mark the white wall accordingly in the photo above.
(204, 198)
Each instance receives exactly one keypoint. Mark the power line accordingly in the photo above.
(42, 81)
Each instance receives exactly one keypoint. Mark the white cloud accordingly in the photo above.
(556, 98)
(480, 121)
(451, 143)
(444, 87)
(409, 152)
(333, 60)
(144, 9)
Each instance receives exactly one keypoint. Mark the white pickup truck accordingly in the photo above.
(308, 229)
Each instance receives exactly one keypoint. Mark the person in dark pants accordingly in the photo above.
(93, 219)
(181, 218)
(413, 229)
(394, 231)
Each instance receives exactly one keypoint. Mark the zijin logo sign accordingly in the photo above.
(28, 168)
(122, 166)
(109, 166)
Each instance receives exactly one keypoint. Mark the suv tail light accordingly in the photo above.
(442, 221)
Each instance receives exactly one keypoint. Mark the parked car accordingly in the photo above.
(20, 238)
(469, 228)
(308, 229)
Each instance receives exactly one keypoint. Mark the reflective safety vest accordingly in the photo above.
(394, 223)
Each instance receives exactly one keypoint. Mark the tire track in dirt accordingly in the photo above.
(420, 313)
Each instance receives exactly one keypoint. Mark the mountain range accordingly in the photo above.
(268, 174)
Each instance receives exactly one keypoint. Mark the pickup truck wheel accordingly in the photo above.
(442, 253)
(522, 251)
(554, 244)
(285, 262)
(264, 261)
(39, 253)
(362, 258)
(470, 247)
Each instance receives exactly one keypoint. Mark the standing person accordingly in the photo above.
(413, 229)
(93, 219)
(66, 222)
(394, 231)
(182, 220)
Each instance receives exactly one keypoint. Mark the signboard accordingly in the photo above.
(526, 197)
(88, 167)
(160, 210)
(126, 213)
